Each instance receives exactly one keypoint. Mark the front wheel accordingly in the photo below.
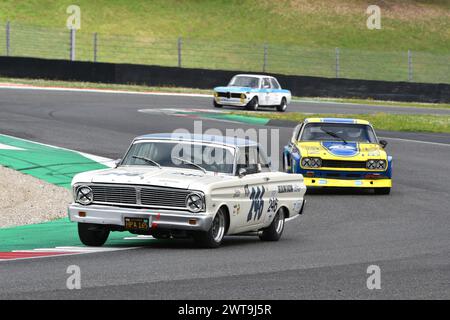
(93, 235)
(283, 105)
(214, 236)
(275, 230)
(253, 104)
(216, 105)
(382, 191)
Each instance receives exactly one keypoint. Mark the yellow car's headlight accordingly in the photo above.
(311, 162)
(376, 164)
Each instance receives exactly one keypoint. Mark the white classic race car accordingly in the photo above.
(251, 92)
(178, 186)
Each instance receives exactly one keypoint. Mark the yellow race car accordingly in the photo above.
(335, 152)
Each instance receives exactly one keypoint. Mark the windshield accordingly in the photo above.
(243, 81)
(344, 132)
(181, 155)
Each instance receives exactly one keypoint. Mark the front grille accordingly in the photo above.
(229, 95)
(156, 197)
(114, 194)
(142, 196)
(343, 164)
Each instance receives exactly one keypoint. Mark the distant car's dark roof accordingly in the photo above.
(231, 141)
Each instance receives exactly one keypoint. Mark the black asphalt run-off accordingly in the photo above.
(324, 254)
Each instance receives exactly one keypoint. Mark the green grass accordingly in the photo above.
(380, 121)
(229, 34)
(142, 88)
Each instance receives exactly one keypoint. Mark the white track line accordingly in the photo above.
(140, 237)
(419, 141)
(31, 87)
(77, 249)
(102, 160)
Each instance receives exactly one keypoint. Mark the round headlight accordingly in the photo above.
(316, 162)
(84, 195)
(195, 202)
(243, 96)
(381, 165)
(371, 164)
(306, 162)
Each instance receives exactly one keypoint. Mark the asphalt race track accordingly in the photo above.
(324, 254)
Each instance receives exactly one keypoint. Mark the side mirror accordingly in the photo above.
(242, 172)
(383, 143)
(117, 162)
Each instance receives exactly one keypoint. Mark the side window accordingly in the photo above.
(263, 161)
(274, 83)
(248, 159)
(266, 83)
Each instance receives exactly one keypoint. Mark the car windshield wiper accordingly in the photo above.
(191, 163)
(147, 160)
(335, 135)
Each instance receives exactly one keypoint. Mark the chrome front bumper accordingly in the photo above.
(231, 101)
(160, 219)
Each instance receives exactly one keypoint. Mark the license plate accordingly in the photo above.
(137, 223)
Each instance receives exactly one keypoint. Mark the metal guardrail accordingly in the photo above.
(32, 41)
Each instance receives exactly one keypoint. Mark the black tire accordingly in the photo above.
(253, 104)
(382, 191)
(216, 105)
(93, 235)
(214, 236)
(275, 230)
(283, 105)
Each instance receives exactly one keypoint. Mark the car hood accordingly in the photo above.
(234, 89)
(165, 177)
(338, 150)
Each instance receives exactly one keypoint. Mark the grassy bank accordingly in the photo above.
(380, 121)
(301, 35)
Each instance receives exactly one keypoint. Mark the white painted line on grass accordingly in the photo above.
(105, 161)
(7, 147)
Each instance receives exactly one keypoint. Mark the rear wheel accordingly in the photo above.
(275, 230)
(253, 104)
(94, 235)
(214, 236)
(382, 190)
(283, 105)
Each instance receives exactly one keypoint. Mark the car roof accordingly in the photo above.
(188, 137)
(336, 120)
(253, 75)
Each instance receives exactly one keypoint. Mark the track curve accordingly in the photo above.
(325, 254)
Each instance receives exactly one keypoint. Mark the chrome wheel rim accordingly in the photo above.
(284, 105)
(218, 227)
(279, 223)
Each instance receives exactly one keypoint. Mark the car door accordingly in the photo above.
(257, 189)
(275, 94)
(266, 91)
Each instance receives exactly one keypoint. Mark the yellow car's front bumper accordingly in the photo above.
(341, 183)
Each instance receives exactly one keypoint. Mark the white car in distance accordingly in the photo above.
(252, 91)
